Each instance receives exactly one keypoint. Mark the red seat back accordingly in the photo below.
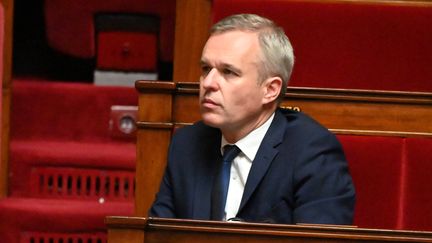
(375, 165)
(417, 213)
(70, 25)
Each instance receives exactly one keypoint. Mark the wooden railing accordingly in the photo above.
(6, 94)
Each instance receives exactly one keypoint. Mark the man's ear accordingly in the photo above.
(272, 88)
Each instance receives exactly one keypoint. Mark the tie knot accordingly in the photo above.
(230, 152)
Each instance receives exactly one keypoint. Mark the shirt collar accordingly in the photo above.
(249, 144)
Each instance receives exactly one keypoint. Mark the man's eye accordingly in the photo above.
(228, 72)
(205, 70)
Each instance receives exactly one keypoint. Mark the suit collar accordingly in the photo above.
(265, 155)
(250, 144)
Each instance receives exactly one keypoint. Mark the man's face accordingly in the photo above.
(231, 97)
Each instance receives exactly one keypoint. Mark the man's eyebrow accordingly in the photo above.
(231, 67)
(221, 66)
(202, 62)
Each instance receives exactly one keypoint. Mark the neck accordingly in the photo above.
(235, 134)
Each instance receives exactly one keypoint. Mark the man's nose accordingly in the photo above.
(211, 79)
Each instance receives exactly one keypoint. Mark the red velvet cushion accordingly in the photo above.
(417, 213)
(375, 165)
(351, 44)
(127, 51)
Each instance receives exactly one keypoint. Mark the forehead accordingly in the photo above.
(232, 46)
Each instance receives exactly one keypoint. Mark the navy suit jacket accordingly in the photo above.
(299, 175)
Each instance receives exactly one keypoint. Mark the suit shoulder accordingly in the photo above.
(301, 127)
(302, 121)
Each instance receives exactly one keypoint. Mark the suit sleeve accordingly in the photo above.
(324, 192)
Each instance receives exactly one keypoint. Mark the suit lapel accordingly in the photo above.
(204, 174)
(264, 157)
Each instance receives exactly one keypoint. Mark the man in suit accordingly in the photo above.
(286, 169)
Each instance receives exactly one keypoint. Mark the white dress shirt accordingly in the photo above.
(241, 166)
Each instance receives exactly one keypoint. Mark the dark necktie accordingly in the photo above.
(220, 187)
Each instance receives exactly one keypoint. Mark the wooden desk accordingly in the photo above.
(151, 230)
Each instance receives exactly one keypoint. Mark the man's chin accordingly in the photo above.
(210, 120)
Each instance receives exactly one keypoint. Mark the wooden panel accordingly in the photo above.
(176, 230)
(6, 95)
(153, 137)
(152, 149)
(125, 235)
(191, 32)
(156, 94)
(186, 108)
(366, 112)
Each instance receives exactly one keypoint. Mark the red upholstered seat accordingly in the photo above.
(128, 40)
(375, 165)
(65, 111)
(417, 203)
(97, 169)
(66, 171)
(72, 30)
(377, 45)
(65, 125)
(127, 51)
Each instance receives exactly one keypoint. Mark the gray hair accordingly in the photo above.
(278, 56)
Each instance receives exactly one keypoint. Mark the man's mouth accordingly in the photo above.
(208, 103)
